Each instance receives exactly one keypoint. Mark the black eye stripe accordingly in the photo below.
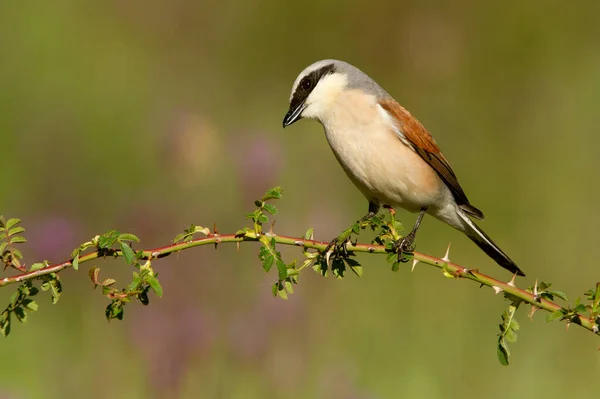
(308, 83)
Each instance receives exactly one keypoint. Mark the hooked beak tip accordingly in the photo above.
(293, 115)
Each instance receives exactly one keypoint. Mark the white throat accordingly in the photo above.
(323, 97)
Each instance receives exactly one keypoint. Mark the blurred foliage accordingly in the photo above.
(148, 115)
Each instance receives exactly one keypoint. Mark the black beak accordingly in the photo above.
(293, 114)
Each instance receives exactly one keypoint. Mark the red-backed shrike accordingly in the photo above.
(385, 151)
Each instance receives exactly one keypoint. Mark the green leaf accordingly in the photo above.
(17, 239)
(154, 284)
(108, 239)
(289, 286)
(273, 193)
(14, 298)
(3, 246)
(54, 285)
(266, 257)
(75, 262)
(320, 266)
(15, 230)
(580, 308)
(114, 310)
(510, 335)
(281, 268)
(5, 323)
(307, 236)
(253, 215)
(555, 315)
(508, 332)
(17, 254)
(179, 237)
(270, 208)
(128, 253)
(128, 237)
(20, 314)
(354, 266)
(338, 267)
(503, 353)
(514, 324)
(559, 294)
(281, 291)
(36, 266)
(30, 304)
(11, 223)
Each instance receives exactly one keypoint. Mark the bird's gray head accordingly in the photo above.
(321, 84)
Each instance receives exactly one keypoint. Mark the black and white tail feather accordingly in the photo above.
(488, 246)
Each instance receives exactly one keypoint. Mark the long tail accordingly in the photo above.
(484, 242)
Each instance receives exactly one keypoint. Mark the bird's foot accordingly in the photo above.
(404, 246)
(337, 247)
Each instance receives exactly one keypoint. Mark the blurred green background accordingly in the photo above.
(146, 116)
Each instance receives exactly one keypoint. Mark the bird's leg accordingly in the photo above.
(339, 242)
(373, 209)
(405, 244)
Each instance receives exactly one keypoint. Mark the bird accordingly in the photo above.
(386, 152)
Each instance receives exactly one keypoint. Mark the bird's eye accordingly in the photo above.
(306, 84)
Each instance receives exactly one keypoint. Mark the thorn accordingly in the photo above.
(496, 289)
(532, 311)
(447, 255)
(536, 295)
(568, 324)
(215, 228)
(299, 243)
(327, 258)
(154, 254)
(271, 229)
(512, 280)
(595, 329)
(371, 249)
(415, 261)
(237, 244)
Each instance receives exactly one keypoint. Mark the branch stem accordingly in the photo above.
(450, 268)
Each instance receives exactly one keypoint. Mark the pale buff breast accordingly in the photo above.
(383, 168)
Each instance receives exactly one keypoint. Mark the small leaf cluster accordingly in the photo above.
(188, 234)
(20, 305)
(542, 291)
(260, 215)
(389, 235)
(10, 234)
(510, 326)
(338, 261)
(508, 332)
(572, 313)
(20, 302)
(144, 278)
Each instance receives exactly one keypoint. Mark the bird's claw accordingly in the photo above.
(337, 248)
(404, 246)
